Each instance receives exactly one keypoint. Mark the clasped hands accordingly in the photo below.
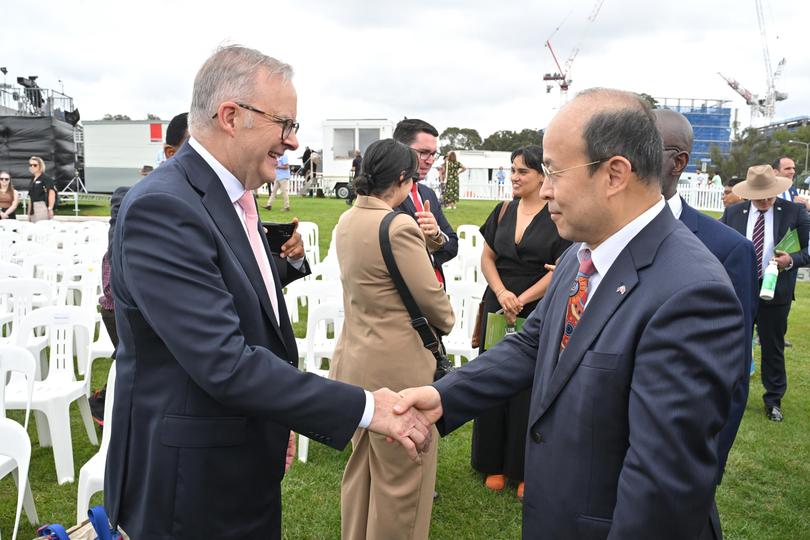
(406, 417)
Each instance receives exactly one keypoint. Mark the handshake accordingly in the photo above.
(406, 417)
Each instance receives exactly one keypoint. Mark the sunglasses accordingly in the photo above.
(4, 179)
(33, 164)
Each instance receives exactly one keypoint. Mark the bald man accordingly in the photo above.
(631, 356)
(734, 251)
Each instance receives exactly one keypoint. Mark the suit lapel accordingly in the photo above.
(778, 211)
(616, 286)
(216, 201)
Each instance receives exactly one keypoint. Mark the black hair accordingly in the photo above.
(407, 130)
(177, 130)
(532, 156)
(777, 163)
(628, 131)
(733, 181)
(385, 161)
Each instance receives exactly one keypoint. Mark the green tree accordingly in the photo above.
(150, 116)
(454, 138)
(109, 116)
(508, 141)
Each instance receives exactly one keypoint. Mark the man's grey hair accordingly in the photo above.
(229, 74)
(625, 127)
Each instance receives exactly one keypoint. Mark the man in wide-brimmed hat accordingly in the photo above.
(765, 219)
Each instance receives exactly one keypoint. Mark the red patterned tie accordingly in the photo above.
(577, 297)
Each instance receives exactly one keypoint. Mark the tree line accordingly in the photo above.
(752, 147)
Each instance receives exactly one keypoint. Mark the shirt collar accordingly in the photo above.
(232, 185)
(754, 211)
(676, 205)
(608, 251)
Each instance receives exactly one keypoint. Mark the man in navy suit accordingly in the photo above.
(764, 218)
(423, 205)
(631, 357)
(733, 250)
(207, 391)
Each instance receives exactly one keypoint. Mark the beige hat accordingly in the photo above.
(761, 183)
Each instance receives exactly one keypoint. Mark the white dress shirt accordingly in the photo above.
(676, 205)
(767, 241)
(608, 251)
(235, 190)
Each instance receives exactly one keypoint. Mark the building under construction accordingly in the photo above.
(711, 124)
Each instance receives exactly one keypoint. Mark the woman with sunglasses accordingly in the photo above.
(8, 197)
(42, 191)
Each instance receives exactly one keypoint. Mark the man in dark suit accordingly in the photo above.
(632, 355)
(207, 390)
(733, 250)
(423, 205)
(764, 218)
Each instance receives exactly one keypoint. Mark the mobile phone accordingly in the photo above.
(277, 234)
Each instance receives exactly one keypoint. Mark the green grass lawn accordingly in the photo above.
(765, 493)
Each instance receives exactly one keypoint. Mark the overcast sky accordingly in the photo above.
(466, 63)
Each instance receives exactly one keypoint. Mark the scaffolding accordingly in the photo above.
(711, 124)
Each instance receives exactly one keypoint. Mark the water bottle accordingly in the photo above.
(769, 281)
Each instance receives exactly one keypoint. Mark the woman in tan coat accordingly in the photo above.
(384, 494)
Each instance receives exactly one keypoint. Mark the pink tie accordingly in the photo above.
(248, 204)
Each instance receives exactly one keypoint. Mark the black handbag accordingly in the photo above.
(430, 339)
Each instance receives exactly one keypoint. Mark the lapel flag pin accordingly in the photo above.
(622, 289)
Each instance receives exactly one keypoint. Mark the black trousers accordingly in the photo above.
(108, 318)
(499, 438)
(771, 326)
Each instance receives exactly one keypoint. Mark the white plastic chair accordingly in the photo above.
(53, 396)
(18, 362)
(309, 234)
(319, 345)
(91, 475)
(49, 266)
(464, 299)
(10, 270)
(15, 444)
(21, 296)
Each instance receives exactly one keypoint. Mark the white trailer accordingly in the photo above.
(340, 139)
(116, 150)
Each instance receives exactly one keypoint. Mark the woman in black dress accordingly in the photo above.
(513, 260)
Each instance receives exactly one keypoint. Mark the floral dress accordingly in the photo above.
(450, 195)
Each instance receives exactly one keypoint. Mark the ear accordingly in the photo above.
(168, 150)
(227, 116)
(681, 161)
(619, 171)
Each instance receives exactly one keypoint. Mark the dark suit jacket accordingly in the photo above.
(623, 424)
(786, 215)
(207, 389)
(450, 248)
(736, 253)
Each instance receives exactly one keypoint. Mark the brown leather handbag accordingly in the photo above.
(475, 341)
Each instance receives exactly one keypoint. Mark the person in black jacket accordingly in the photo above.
(423, 204)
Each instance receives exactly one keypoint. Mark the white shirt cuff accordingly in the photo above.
(368, 413)
(297, 263)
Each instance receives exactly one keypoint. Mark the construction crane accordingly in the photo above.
(562, 75)
(764, 106)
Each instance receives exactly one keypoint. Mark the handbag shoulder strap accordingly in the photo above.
(418, 319)
(504, 206)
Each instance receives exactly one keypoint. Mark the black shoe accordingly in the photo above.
(97, 405)
(788, 344)
(774, 414)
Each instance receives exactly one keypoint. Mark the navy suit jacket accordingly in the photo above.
(786, 215)
(450, 248)
(206, 389)
(736, 253)
(623, 423)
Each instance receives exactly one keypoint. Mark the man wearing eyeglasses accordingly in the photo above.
(632, 354)
(423, 204)
(207, 388)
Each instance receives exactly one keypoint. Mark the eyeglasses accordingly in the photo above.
(425, 155)
(550, 174)
(288, 125)
(33, 164)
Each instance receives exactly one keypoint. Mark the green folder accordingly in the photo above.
(790, 242)
(497, 328)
